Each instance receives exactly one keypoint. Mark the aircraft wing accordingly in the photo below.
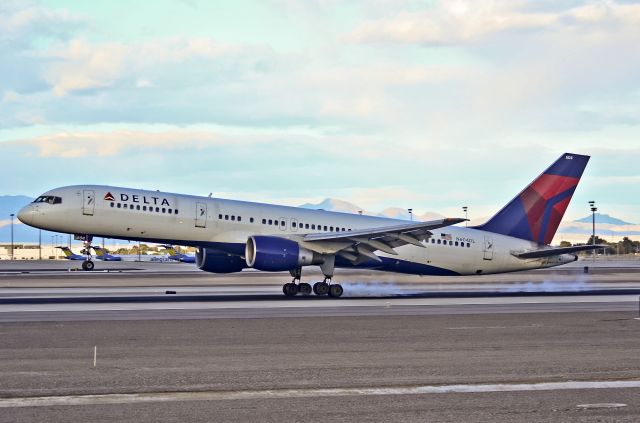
(548, 252)
(359, 245)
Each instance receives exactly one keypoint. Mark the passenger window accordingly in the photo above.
(157, 209)
(233, 218)
(468, 245)
(239, 218)
(164, 210)
(175, 211)
(112, 204)
(306, 226)
(119, 205)
(251, 220)
(144, 208)
(294, 224)
(264, 221)
(283, 223)
(456, 243)
(313, 226)
(439, 242)
(220, 216)
(450, 242)
(331, 228)
(226, 217)
(169, 211)
(138, 207)
(325, 228)
(270, 221)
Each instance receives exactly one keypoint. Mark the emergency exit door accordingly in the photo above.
(89, 202)
(201, 215)
(488, 248)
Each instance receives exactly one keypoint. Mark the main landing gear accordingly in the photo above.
(325, 287)
(88, 264)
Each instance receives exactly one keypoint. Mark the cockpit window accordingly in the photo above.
(48, 199)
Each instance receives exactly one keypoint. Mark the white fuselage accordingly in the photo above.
(225, 225)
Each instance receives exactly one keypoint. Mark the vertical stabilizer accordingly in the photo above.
(536, 212)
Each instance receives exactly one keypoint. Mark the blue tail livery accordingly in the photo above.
(536, 212)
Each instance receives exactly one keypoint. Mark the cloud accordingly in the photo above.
(81, 65)
(109, 144)
(463, 22)
(18, 18)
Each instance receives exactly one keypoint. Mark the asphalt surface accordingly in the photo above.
(395, 354)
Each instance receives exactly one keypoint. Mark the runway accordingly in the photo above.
(508, 348)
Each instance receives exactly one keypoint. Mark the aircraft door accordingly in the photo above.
(283, 224)
(488, 248)
(201, 215)
(89, 202)
(294, 225)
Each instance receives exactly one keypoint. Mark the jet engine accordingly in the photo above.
(218, 262)
(274, 254)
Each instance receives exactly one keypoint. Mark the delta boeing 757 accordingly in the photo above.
(233, 235)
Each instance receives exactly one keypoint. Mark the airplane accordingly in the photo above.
(175, 255)
(103, 254)
(70, 255)
(233, 235)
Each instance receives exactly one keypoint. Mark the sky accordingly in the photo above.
(422, 104)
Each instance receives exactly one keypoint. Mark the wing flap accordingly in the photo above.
(362, 243)
(548, 252)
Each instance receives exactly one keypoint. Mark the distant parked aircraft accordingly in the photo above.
(174, 254)
(70, 255)
(103, 254)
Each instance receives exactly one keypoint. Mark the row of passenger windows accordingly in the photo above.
(452, 243)
(325, 228)
(144, 208)
(283, 223)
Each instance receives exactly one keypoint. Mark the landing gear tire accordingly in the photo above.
(335, 290)
(290, 289)
(321, 288)
(304, 289)
(88, 265)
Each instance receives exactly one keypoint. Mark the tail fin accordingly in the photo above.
(99, 251)
(536, 212)
(171, 249)
(67, 252)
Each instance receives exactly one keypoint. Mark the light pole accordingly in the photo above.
(410, 214)
(464, 209)
(39, 244)
(12, 235)
(594, 209)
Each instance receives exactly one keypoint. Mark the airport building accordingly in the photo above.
(30, 252)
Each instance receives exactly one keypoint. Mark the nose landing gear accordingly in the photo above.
(88, 264)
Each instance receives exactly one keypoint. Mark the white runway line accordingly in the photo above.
(306, 393)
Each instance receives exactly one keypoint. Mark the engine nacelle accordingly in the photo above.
(218, 262)
(275, 254)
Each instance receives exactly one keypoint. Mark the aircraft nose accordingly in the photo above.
(25, 215)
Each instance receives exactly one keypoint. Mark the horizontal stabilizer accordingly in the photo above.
(548, 252)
